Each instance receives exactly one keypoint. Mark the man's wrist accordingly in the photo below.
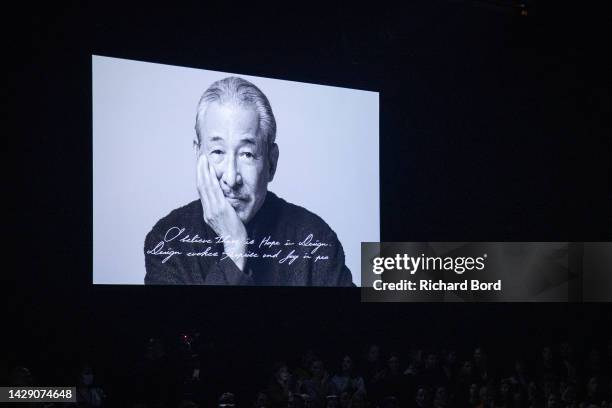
(240, 262)
(236, 253)
(232, 275)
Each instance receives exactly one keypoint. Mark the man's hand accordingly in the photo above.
(219, 214)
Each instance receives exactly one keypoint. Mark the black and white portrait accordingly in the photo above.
(210, 178)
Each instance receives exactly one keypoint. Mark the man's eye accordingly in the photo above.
(217, 151)
(247, 155)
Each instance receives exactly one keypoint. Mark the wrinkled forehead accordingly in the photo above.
(229, 122)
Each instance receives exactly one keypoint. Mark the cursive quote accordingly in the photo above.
(286, 252)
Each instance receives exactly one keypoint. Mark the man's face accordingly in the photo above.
(394, 364)
(519, 366)
(478, 355)
(283, 373)
(546, 354)
(420, 397)
(505, 388)
(234, 144)
(552, 401)
(432, 361)
(441, 396)
(592, 385)
(373, 353)
(317, 369)
(262, 400)
(347, 363)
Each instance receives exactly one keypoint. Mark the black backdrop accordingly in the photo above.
(492, 128)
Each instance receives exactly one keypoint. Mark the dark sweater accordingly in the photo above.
(182, 249)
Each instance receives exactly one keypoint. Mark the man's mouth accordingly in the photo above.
(235, 200)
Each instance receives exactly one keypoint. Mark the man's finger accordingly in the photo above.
(209, 179)
(203, 184)
(199, 180)
(215, 187)
(201, 167)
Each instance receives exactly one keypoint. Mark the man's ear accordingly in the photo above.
(273, 161)
(196, 146)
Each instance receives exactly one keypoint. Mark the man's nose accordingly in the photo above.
(231, 174)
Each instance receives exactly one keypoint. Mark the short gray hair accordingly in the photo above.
(241, 92)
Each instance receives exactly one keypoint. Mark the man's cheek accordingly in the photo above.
(249, 179)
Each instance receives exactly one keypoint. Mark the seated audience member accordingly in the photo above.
(347, 379)
(281, 386)
(319, 385)
(262, 400)
(504, 398)
(302, 372)
(449, 365)
(547, 368)
(481, 366)
(422, 398)
(87, 394)
(391, 382)
(552, 401)
(373, 364)
(593, 391)
(441, 398)
(520, 377)
(432, 374)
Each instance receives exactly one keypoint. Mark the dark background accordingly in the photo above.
(494, 127)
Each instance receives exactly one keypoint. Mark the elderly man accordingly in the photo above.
(239, 233)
